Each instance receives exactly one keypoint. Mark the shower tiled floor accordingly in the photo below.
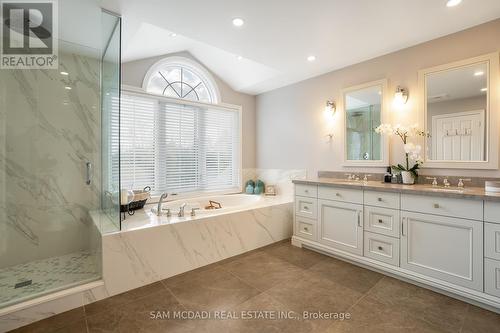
(276, 278)
(47, 275)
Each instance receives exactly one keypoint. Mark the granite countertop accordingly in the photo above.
(477, 193)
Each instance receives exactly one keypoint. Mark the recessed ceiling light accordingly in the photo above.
(64, 73)
(240, 58)
(238, 22)
(311, 58)
(173, 34)
(479, 73)
(453, 3)
(484, 89)
(67, 88)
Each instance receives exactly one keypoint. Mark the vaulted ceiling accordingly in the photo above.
(279, 35)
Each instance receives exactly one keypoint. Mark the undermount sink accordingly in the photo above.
(349, 182)
(444, 189)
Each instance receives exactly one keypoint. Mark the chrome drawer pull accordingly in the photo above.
(306, 191)
(306, 208)
(337, 194)
(306, 229)
(359, 219)
(380, 199)
(380, 221)
(380, 248)
(403, 226)
(436, 205)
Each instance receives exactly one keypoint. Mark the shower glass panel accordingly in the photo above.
(110, 92)
(51, 175)
(363, 143)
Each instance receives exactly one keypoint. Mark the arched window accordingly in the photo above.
(183, 78)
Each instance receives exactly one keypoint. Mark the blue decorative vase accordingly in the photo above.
(259, 187)
(249, 189)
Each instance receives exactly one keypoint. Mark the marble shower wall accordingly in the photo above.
(47, 134)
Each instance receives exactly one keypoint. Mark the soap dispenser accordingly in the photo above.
(388, 175)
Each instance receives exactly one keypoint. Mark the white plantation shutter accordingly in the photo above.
(178, 147)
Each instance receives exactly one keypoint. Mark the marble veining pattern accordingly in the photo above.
(47, 275)
(138, 257)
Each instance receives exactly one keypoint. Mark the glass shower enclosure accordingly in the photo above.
(55, 150)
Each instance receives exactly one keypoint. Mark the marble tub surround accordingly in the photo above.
(468, 192)
(375, 303)
(139, 255)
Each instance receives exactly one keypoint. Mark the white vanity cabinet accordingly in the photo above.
(447, 242)
(341, 225)
(445, 248)
(492, 248)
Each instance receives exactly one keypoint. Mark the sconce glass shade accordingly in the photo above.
(400, 97)
(330, 108)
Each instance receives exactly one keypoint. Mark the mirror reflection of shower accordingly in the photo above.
(362, 141)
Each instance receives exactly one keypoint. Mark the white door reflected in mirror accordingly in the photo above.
(456, 113)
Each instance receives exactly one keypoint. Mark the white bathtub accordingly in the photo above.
(229, 203)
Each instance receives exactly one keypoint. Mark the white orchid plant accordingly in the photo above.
(412, 150)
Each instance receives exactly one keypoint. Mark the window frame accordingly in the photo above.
(131, 90)
(204, 75)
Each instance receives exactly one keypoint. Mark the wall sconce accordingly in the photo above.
(401, 96)
(330, 108)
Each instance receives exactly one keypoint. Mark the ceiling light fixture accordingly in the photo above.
(311, 58)
(173, 34)
(238, 22)
(479, 73)
(65, 73)
(67, 88)
(453, 3)
(240, 58)
(484, 89)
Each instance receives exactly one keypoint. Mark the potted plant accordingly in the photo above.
(408, 172)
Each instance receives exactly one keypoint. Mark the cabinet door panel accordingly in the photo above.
(492, 277)
(445, 248)
(492, 240)
(341, 225)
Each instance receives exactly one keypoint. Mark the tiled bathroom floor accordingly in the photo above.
(276, 278)
(47, 275)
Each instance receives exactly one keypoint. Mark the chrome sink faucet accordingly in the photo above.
(434, 180)
(461, 182)
(446, 183)
(160, 201)
(181, 210)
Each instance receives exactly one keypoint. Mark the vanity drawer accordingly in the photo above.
(492, 240)
(340, 194)
(382, 221)
(382, 199)
(306, 207)
(381, 248)
(305, 228)
(306, 190)
(461, 208)
(492, 211)
(492, 277)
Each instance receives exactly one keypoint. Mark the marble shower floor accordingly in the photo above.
(47, 275)
(277, 278)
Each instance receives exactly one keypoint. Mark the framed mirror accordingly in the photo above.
(459, 113)
(364, 110)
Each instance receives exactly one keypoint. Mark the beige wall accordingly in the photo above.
(133, 74)
(292, 131)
